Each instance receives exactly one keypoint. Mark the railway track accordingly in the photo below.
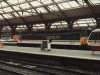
(22, 68)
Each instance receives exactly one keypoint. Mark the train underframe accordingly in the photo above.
(76, 47)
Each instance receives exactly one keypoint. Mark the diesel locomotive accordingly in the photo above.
(60, 39)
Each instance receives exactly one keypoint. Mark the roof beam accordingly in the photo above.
(46, 7)
(6, 20)
(17, 13)
(78, 3)
(95, 16)
(40, 15)
(59, 9)
(90, 6)
(15, 4)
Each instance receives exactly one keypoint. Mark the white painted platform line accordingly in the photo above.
(54, 52)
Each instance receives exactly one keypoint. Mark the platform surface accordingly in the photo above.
(80, 54)
(10, 42)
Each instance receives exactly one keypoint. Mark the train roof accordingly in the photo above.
(54, 32)
(96, 30)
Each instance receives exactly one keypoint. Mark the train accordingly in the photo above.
(94, 40)
(60, 39)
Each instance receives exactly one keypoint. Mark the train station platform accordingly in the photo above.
(14, 43)
(78, 54)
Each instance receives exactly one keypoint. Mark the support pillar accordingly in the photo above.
(70, 24)
(13, 31)
(47, 26)
(29, 27)
(98, 22)
(0, 32)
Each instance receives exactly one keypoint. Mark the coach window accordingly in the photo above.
(76, 37)
(67, 37)
(72, 36)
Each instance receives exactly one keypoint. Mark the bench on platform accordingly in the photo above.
(2, 43)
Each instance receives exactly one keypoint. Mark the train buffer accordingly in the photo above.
(2, 43)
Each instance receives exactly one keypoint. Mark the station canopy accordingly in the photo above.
(37, 12)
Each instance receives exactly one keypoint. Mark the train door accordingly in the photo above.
(92, 39)
(97, 39)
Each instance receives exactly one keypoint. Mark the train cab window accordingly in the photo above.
(92, 36)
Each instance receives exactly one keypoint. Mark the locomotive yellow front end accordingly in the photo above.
(83, 42)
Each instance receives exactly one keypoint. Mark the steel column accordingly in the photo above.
(13, 31)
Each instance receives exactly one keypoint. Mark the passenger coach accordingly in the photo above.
(94, 40)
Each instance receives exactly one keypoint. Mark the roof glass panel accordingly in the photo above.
(1, 18)
(34, 27)
(42, 10)
(85, 22)
(40, 27)
(64, 23)
(24, 14)
(25, 5)
(1, 11)
(15, 14)
(21, 1)
(35, 3)
(82, 2)
(96, 2)
(7, 16)
(3, 4)
(73, 4)
(31, 11)
(64, 6)
(92, 24)
(20, 13)
(57, 0)
(53, 7)
(46, 1)
(16, 7)
(12, 1)
(83, 25)
(8, 9)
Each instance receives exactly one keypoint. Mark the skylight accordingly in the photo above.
(35, 3)
(8, 9)
(1, 18)
(53, 7)
(42, 10)
(25, 5)
(7, 16)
